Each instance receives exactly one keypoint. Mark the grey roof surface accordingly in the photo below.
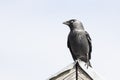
(69, 73)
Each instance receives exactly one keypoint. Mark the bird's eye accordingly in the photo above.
(72, 21)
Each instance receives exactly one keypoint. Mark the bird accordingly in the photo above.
(79, 41)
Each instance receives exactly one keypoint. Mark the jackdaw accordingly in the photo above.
(79, 41)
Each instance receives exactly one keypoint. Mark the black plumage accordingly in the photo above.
(79, 41)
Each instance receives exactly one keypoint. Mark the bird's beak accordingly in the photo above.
(66, 23)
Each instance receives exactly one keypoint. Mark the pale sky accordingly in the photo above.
(33, 40)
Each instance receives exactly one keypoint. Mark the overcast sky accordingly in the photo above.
(33, 40)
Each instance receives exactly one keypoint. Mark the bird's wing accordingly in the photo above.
(90, 44)
(69, 46)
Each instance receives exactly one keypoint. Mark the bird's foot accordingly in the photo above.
(88, 64)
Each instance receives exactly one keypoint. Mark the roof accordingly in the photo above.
(69, 72)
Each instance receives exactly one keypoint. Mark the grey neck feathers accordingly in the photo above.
(77, 27)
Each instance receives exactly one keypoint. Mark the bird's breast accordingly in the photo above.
(78, 42)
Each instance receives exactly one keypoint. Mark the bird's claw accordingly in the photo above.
(87, 64)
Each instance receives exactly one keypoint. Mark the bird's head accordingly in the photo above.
(74, 24)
